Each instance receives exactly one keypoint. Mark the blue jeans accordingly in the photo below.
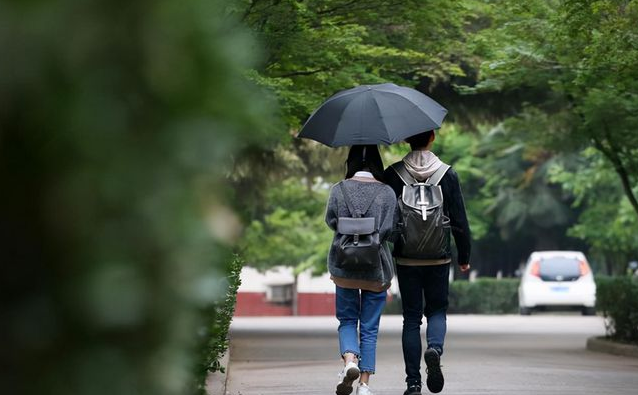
(424, 292)
(359, 309)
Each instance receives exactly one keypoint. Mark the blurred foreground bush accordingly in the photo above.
(617, 299)
(117, 122)
(484, 296)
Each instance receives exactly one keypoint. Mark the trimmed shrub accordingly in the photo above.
(214, 333)
(221, 314)
(484, 296)
(617, 299)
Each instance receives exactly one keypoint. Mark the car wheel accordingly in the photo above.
(525, 311)
(589, 311)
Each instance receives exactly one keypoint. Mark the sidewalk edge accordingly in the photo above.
(216, 382)
(601, 344)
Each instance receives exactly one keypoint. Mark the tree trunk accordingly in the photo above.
(626, 184)
(295, 304)
(612, 154)
(609, 265)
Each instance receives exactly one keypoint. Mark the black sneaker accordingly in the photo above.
(413, 390)
(435, 376)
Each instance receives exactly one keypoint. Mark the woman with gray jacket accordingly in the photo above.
(361, 294)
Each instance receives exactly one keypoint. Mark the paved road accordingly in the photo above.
(541, 354)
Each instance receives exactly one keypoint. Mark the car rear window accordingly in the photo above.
(559, 269)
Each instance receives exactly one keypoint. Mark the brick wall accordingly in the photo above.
(255, 304)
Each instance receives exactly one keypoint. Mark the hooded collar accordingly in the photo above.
(421, 164)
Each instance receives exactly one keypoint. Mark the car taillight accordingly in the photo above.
(584, 268)
(535, 269)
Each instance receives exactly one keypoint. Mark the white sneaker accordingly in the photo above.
(364, 390)
(347, 376)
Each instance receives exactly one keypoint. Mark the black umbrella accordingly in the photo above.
(373, 114)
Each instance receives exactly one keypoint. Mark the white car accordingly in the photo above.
(557, 279)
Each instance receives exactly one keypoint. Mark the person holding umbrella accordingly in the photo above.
(423, 264)
(361, 284)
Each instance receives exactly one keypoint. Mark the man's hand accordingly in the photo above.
(465, 267)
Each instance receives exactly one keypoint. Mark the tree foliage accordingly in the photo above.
(316, 48)
(293, 231)
(583, 54)
(607, 221)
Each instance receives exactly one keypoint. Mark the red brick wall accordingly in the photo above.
(255, 304)
(316, 304)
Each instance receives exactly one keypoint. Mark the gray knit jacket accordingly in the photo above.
(382, 209)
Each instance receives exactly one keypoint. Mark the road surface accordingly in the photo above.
(539, 354)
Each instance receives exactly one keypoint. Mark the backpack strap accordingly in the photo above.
(438, 175)
(353, 212)
(408, 179)
(403, 173)
(346, 197)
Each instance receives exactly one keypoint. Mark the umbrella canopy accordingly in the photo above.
(373, 114)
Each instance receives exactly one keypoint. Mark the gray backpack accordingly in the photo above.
(359, 245)
(425, 230)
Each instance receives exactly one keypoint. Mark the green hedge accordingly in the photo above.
(214, 335)
(617, 299)
(483, 296)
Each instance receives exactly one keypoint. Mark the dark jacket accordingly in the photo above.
(383, 208)
(453, 208)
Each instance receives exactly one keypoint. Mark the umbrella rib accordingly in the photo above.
(339, 95)
(385, 129)
(341, 120)
(362, 106)
(411, 103)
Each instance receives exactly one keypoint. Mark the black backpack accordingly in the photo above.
(359, 245)
(425, 230)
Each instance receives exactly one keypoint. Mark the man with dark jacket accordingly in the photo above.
(424, 283)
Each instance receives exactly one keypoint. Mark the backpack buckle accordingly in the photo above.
(423, 202)
(356, 239)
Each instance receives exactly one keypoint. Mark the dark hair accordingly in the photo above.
(420, 140)
(371, 161)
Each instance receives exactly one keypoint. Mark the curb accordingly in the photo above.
(601, 344)
(216, 382)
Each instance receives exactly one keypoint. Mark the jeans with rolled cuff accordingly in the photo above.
(359, 312)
